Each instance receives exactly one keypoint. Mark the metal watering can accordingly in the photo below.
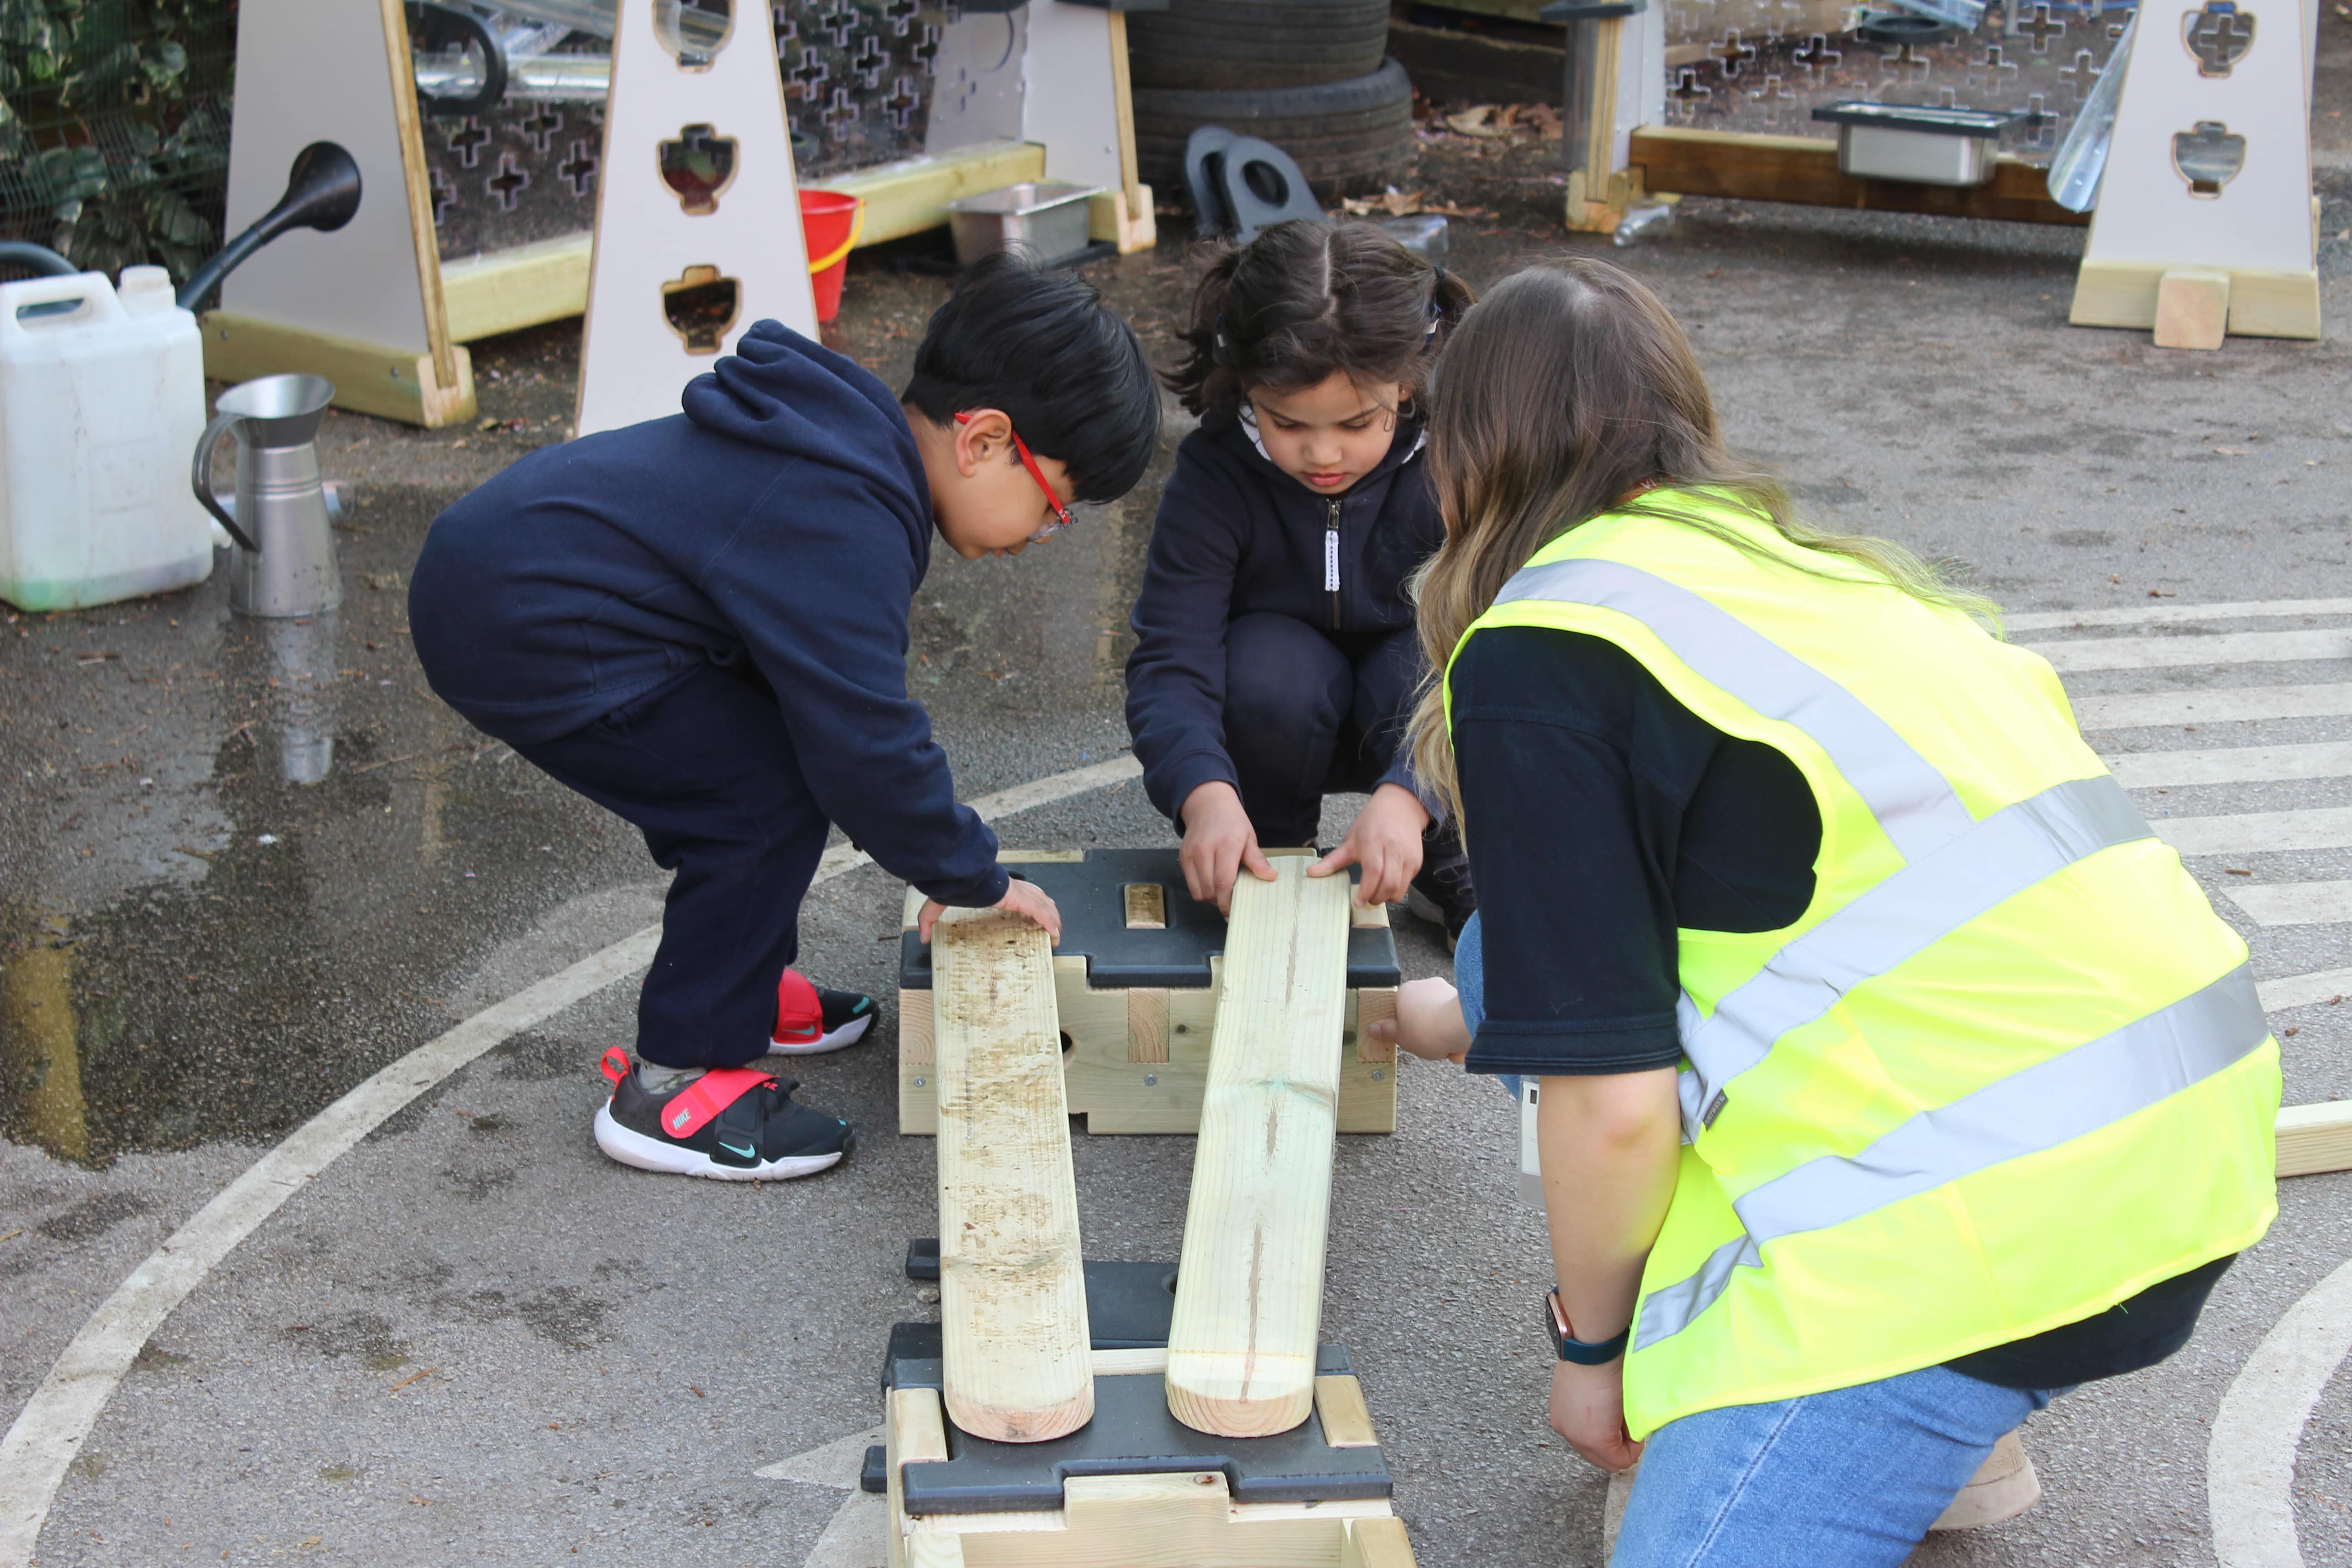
(284, 561)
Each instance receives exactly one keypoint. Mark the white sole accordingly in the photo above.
(631, 1148)
(849, 1034)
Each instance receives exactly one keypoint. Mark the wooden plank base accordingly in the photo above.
(1804, 169)
(1187, 1519)
(2314, 1138)
(2262, 304)
(370, 378)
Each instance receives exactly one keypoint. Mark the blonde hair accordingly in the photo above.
(1570, 387)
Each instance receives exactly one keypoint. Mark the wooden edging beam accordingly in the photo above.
(1012, 1294)
(1249, 1283)
(2314, 1138)
(1804, 169)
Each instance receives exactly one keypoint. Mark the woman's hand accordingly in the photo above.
(1428, 1022)
(1385, 840)
(1020, 898)
(1588, 1408)
(1219, 842)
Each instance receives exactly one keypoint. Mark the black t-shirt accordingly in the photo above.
(1602, 815)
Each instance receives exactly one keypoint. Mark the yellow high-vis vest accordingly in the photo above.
(2006, 1070)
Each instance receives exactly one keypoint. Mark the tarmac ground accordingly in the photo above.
(245, 866)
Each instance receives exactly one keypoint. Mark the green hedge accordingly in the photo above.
(114, 118)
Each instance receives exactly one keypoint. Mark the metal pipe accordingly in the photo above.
(38, 258)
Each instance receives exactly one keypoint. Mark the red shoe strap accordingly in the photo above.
(614, 1065)
(800, 1017)
(706, 1096)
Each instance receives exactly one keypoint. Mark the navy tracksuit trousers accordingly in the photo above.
(1310, 713)
(705, 770)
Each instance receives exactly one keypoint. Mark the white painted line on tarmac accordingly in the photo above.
(2295, 903)
(2222, 647)
(48, 1432)
(2233, 765)
(2256, 832)
(2250, 1462)
(2304, 990)
(2146, 615)
(2228, 705)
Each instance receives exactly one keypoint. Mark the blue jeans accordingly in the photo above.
(1470, 980)
(1849, 1479)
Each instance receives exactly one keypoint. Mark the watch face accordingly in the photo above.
(1553, 1322)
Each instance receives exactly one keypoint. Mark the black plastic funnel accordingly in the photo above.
(321, 193)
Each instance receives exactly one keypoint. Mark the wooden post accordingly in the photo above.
(1249, 1285)
(1012, 1296)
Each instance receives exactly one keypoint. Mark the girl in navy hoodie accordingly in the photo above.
(1276, 658)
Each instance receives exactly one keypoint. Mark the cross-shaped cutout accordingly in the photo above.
(1995, 60)
(2041, 125)
(1730, 53)
(1771, 91)
(2219, 35)
(788, 25)
(900, 15)
(1815, 53)
(579, 171)
(838, 21)
(808, 76)
(1686, 92)
(510, 183)
(840, 114)
(927, 51)
(2080, 75)
(543, 127)
(445, 194)
(1905, 59)
(698, 165)
(2041, 29)
(868, 62)
(957, 95)
(468, 141)
(902, 102)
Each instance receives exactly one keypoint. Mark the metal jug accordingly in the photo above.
(284, 562)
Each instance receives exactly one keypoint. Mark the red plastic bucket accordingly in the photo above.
(829, 223)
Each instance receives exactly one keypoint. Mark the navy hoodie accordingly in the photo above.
(1236, 536)
(782, 517)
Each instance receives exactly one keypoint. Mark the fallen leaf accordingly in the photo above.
(2162, 594)
(405, 1381)
(2231, 451)
(1476, 121)
(2233, 871)
(698, 1392)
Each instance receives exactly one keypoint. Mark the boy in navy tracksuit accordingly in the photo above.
(700, 623)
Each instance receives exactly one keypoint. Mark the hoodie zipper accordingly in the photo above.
(1332, 560)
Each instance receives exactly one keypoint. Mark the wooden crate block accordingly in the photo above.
(2192, 309)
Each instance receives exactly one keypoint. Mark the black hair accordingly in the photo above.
(1307, 298)
(1041, 346)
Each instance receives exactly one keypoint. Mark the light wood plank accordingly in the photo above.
(1012, 1296)
(1148, 1359)
(370, 378)
(1373, 1005)
(1804, 169)
(1146, 1024)
(935, 1552)
(912, 194)
(1249, 1290)
(1376, 1543)
(2315, 1138)
(506, 290)
(440, 349)
(913, 1431)
(1347, 1419)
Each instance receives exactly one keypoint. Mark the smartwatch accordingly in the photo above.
(1571, 1349)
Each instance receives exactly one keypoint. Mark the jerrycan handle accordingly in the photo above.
(202, 477)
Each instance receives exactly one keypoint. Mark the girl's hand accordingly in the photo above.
(1385, 840)
(1588, 1408)
(1428, 1022)
(1020, 898)
(1218, 843)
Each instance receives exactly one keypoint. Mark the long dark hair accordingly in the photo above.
(1570, 388)
(1307, 299)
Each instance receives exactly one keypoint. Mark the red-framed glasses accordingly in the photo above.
(1062, 518)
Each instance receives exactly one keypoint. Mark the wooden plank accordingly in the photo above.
(1150, 1360)
(1347, 1419)
(1249, 1285)
(1147, 1025)
(913, 1431)
(506, 290)
(935, 1552)
(2315, 1138)
(1013, 1297)
(418, 182)
(1373, 1005)
(2262, 304)
(370, 378)
(1376, 1543)
(912, 194)
(1804, 169)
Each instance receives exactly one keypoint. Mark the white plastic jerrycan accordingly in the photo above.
(102, 398)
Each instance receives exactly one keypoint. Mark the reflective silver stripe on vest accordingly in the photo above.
(2048, 1104)
(2043, 1107)
(1906, 913)
(1914, 804)
(1668, 1311)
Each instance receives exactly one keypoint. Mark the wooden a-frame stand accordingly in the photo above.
(1260, 1417)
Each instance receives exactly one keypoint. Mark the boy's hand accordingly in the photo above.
(1020, 898)
(1428, 1022)
(1588, 1408)
(1385, 840)
(1218, 843)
